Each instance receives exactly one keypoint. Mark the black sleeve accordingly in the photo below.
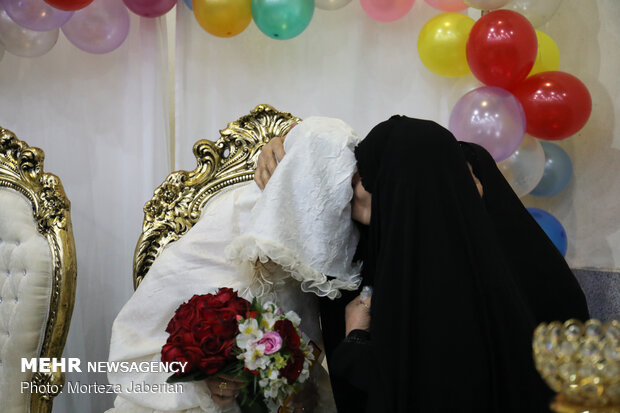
(349, 399)
(351, 359)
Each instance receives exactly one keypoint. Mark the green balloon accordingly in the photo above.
(282, 19)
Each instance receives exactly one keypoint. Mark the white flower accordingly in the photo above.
(292, 315)
(254, 357)
(270, 307)
(250, 334)
(268, 320)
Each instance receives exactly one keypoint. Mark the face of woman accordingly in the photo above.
(361, 203)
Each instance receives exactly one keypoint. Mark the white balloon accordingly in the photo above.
(25, 42)
(538, 12)
(525, 167)
(487, 4)
(331, 4)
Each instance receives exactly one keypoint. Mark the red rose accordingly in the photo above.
(239, 305)
(193, 355)
(288, 332)
(213, 364)
(183, 318)
(170, 353)
(293, 367)
(203, 330)
(226, 329)
(212, 345)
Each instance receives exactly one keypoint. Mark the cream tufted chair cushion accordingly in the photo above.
(25, 287)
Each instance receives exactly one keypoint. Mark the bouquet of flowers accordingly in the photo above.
(223, 333)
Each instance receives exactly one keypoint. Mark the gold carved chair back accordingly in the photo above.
(37, 275)
(178, 202)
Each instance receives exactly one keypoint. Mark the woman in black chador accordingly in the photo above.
(460, 281)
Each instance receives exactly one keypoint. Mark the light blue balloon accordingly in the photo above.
(282, 19)
(558, 171)
(188, 3)
(552, 227)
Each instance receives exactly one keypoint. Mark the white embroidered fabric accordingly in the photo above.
(303, 220)
(195, 264)
(25, 290)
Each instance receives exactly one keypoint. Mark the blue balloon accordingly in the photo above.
(558, 171)
(282, 19)
(552, 227)
(188, 3)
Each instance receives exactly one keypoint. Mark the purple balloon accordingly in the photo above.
(491, 117)
(35, 14)
(150, 8)
(100, 27)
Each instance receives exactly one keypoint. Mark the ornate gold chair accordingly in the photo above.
(37, 275)
(177, 204)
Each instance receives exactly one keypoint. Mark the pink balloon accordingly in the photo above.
(100, 27)
(150, 8)
(448, 5)
(387, 10)
(491, 117)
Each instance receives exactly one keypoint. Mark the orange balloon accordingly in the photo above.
(223, 18)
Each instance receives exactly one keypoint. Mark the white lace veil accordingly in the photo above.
(302, 222)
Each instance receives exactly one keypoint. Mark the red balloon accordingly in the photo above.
(69, 5)
(502, 48)
(556, 104)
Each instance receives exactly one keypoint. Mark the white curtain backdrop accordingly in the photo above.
(349, 66)
(102, 122)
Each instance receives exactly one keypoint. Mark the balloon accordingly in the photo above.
(188, 3)
(448, 5)
(486, 4)
(524, 168)
(331, 4)
(69, 5)
(441, 44)
(558, 171)
(557, 104)
(223, 18)
(538, 12)
(501, 48)
(282, 19)
(460, 87)
(552, 227)
(387, 10)
(150, 8)
(35, 14)
(99, 28)
(491, 117)
(548, 57)
(24, 42)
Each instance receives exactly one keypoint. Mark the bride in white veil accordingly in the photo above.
(290, 244)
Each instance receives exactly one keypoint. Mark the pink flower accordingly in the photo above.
(272, 342)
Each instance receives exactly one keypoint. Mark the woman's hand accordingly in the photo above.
(271, 154)
(357, 314)
(224, 389)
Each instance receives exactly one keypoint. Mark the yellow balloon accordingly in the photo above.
(223, 18)
(548, 57)
(442, 42)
